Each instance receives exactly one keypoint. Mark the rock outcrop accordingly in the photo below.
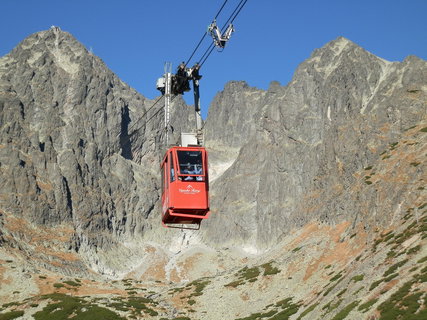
(306, 141)
(317, 192)
(80, 149)
(76, 148)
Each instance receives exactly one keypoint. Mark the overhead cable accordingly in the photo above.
(204, 35)
(231, 18)
(143, 115)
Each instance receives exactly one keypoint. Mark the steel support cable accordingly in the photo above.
(143, 115)
(211, 48)
(239, 11)
(153, 115)
(158, 111)
(204, 35)
(197, 47)
(208, 50)
(232, 17)
(219, 11)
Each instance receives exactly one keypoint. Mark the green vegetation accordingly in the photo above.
(135, 305)
(269, 269)
(414, 249)
(402, 305)
(375, 284)
(336, 277)
(235, 284)
(423, 129)
(296, 249)
(367, 305)
(11, 315)
(357, 291)
(329, 307)
(341, 292)
(358, 278)
(394, 267)
(383, 238)
(388, 236)
(10, 304)
(307, 311)
(58, 285)
(393, 145)
(72, 283)
(331, 288)
(281, 310)
(246, 275)
(368, 168)
(391, 254)
(386, 279)
(65, 306)
(176, 290)
(199, 286)
(288, 309)
(407, 302)
(344, 312)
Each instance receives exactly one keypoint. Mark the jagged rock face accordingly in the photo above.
(79, 148)
(343, 108)
(73, 138)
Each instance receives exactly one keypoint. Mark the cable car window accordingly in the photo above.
(172, 170)
(190, 162)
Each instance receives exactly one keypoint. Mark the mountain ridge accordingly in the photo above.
(317, 171)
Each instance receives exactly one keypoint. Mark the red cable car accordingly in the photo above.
(185, 187)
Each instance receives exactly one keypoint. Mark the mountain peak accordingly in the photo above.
(51, 45)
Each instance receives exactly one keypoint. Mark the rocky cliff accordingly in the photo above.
(76, 148)
(316, 187)
(306, 141)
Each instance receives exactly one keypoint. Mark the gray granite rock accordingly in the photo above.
(343, 107)
(76, 146)
(80, 148)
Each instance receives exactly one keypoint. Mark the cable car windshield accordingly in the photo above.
(190, 162)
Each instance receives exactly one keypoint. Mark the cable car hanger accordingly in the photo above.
(184, 168)
(202, 61)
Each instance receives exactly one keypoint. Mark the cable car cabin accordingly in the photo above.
(185, 187)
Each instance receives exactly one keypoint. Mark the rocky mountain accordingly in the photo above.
(317, 192)
(308, 139)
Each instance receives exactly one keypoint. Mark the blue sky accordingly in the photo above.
(272, 37)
